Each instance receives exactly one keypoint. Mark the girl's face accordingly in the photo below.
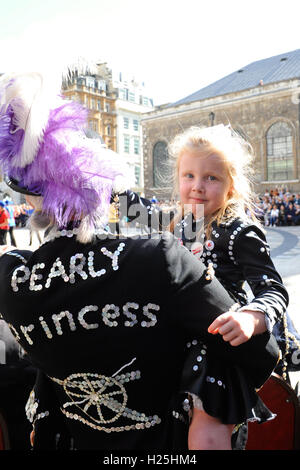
(203, 180)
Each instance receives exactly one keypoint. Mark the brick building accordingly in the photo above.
(261, 101)
(93, 91)
(116, 104)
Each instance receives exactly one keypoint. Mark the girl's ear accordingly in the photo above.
(230, 192)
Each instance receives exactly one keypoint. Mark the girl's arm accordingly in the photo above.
(143, 211)
(252, 255)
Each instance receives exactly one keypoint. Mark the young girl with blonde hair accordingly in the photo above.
(216, 222)
(212, 171)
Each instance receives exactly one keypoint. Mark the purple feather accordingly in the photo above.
(74, 178)
(11, 141)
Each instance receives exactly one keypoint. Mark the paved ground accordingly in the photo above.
(285, 252)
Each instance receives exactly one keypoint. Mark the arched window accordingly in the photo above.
(161, 169)
(280, 161)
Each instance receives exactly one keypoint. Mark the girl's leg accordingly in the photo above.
(208, 433)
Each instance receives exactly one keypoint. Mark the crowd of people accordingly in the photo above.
(279, 207)
(13, 216)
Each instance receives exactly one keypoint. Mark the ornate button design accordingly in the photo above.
(209, 245)
(99, 401)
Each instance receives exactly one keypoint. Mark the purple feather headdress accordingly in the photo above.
(43, 147)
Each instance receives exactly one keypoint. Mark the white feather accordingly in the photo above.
(31, 97)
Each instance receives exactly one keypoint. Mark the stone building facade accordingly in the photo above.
(266, 114)
(116, 103)
(92, 90)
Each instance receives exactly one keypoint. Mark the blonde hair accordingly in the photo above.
(237, 155)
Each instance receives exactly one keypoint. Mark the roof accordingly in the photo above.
(273, 69)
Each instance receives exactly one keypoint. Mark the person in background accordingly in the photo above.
(11, 221)
(274, 216)
(290, 214)
(32, 230)
(114, 217)
(281, 215)
(297, 214)
(4, 226)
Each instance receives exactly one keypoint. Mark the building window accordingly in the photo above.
(90, 82)
(126, 122)
(123, 94)
(107, 108)
(135, 125)
(280, 161)
(161, 169)
(126, 143)
(99, 105)
(101, 85)
(131, 97)
(92, 103)
(136, 146)
(145, 101)
(80, 81)
(137, 175)
(108, 130)
(93, 125)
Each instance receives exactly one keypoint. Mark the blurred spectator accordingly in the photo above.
(4, 217)
(114, 217)
(290, 214)
(21, 215)
(268, 214)
(297, 214)
(274, 214)
(11, 221)
(281, 215)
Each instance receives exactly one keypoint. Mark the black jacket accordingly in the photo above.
(107, 324)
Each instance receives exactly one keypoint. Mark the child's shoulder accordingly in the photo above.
(237, 226)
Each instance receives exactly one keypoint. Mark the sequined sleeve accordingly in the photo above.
(14, 257)
(252, 253)
(196, 300)
(142, 210)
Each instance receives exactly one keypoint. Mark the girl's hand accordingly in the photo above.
(238, 327)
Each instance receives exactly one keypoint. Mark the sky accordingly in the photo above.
(175, 47)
